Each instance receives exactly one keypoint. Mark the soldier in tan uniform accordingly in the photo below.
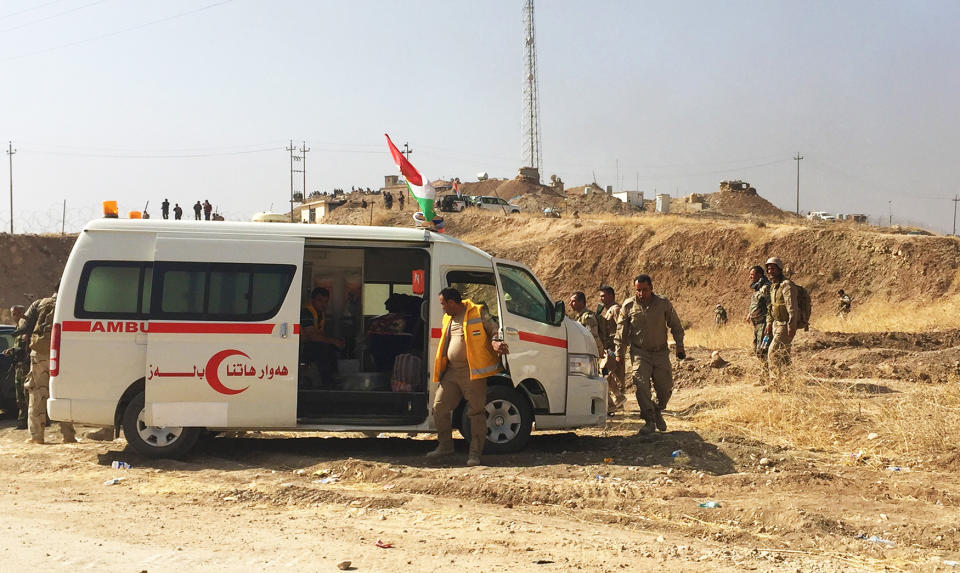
(38, 380)
(782, 317)
(578, 304)
(607, 312)
(20, 354)
(642, 331)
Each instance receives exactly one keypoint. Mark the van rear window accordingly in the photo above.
(114, 289)
(220, 291)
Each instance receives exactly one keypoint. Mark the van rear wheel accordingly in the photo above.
(509, 420)
(154, 441)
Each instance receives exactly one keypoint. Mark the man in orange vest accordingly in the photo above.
(466, 356)
(318, 350)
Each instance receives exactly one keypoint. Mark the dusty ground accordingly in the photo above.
(598, 500)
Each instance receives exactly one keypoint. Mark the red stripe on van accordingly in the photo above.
(76, 325)
(435, 333)
(210, 328)
(540, 339)
(296, 329)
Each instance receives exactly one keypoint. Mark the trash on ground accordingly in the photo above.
(113, 481)
(676, 453)
(608, 460)
(384, 544)
(118, 465)
(709, 504)
(876, 539)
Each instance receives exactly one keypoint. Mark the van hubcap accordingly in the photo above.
(157, 436)
(503, 421)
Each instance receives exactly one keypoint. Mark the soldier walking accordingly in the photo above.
(177, 211)
(197, 207)
(165, 209)
(843, 308)
(642, 331)
(720, 316)
(586, 317)
(607, 312)
(783, 315)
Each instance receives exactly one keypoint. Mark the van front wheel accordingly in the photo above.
(509, 420)
(154, 441)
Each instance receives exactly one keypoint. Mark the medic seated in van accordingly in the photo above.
(400, 331)
(318, 352)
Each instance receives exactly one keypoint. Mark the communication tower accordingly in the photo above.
(530, 149)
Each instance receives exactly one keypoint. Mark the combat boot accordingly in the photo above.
(649, 427)
(442, 449)
(660, 422)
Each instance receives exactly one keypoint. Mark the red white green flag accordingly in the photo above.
(418, 185)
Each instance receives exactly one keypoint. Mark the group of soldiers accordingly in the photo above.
(638, 328)
(31, 358)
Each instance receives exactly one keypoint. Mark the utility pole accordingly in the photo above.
(406, 151)
(890, 213)
(10, 152)
(303, 153)
(291, 149)
(955, 199)
(797, 159)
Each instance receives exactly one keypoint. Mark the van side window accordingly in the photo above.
(480, 287)
(114, 289)
(221, 291)
(523, 295)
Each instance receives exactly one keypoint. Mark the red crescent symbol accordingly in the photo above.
(214, 364)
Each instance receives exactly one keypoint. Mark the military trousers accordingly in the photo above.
(615, 382)
(455, 384)
(22, 401)
(758, 330)
(651, 366)
(38, 390)
(778, 356)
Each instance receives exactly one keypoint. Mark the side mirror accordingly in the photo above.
(559, 312)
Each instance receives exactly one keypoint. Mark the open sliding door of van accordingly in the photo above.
(223, 340)
(538, 348)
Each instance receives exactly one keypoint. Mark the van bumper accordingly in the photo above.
(87, 412)
(586, 405)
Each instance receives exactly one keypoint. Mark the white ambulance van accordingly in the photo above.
(170, 328)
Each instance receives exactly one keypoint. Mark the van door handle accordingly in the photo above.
(283, 330)
(512, 331)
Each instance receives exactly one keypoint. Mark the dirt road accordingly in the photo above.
(598, 500)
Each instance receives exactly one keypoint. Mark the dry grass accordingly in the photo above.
(732, 335)
(883, 316)
(913, 422)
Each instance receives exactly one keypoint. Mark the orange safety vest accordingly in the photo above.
(318, 321)
(481, 358)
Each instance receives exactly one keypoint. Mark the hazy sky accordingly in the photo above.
(135, 100)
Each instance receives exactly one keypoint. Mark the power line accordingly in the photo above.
(180, 156)
(25, 10)
(117, 32)
(10, 152)
(797, 159)
(52, 16)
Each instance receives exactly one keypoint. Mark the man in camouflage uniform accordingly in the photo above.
(843, 308)
(757, 315)
(20, 354)
(782, 317)
(578, 304)
(607, 312)
(720, 316)
(642, 330)
(38, 380)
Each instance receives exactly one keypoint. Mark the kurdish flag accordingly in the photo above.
(418, 185)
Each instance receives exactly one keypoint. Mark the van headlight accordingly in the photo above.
(583, 364)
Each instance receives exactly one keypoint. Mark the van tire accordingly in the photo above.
(509, 420)
(155, 442)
